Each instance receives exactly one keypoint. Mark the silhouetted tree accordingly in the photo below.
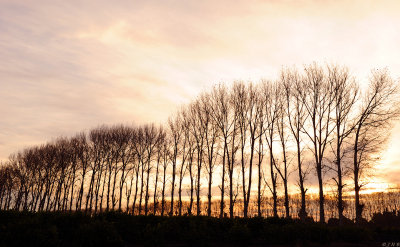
(296, 114)
(175, 135)
(345, 96)
(318, 97)
(378, 108)
(270, 94)
(198, 132)
(221, 118)
(309, 119)
(283, 167)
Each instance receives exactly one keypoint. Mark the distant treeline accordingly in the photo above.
(248, 139)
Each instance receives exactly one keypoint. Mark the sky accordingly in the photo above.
(68, 66)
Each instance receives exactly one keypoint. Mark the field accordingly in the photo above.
(121, 229)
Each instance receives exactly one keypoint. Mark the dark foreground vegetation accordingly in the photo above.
(121, 229)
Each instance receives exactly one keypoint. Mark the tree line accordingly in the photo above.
(248, 140)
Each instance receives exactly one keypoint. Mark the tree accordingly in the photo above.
(165, 162)
(220, 116)
(260, 150)
(83, 155)
(378, 109)
(312, 119)
(175, 135)
(159, 150)
(317, 96)
(270, 92)
(132, 171)
(345, 93)
(283, 168)
(296, 116)
(211, 136)
(139, 149)
(151, 139)
(198, 132)
(124, 139)
(225, 115)
(186, 152)
(190, 140)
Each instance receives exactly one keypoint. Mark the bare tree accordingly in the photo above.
(151, 139)
(140, 149)
(378, 108)
(198, 133)
(296, 115)
(175, 135)
(211, 137)
(132, 171)
(124, 138)
(255, 118)
(231, 151)
(260, 150)
(345, 93)
(185, 152)
(270, 91)
(83, 155)
(283, 167)
(224, 116)
(165, 162)
(317, 96)
(159, 148)
(191, 148)
(242, 104)
(228, 130)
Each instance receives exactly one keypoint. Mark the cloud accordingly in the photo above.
(68, 66)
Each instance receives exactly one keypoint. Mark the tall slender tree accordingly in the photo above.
(317, 97)
(378, 108)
